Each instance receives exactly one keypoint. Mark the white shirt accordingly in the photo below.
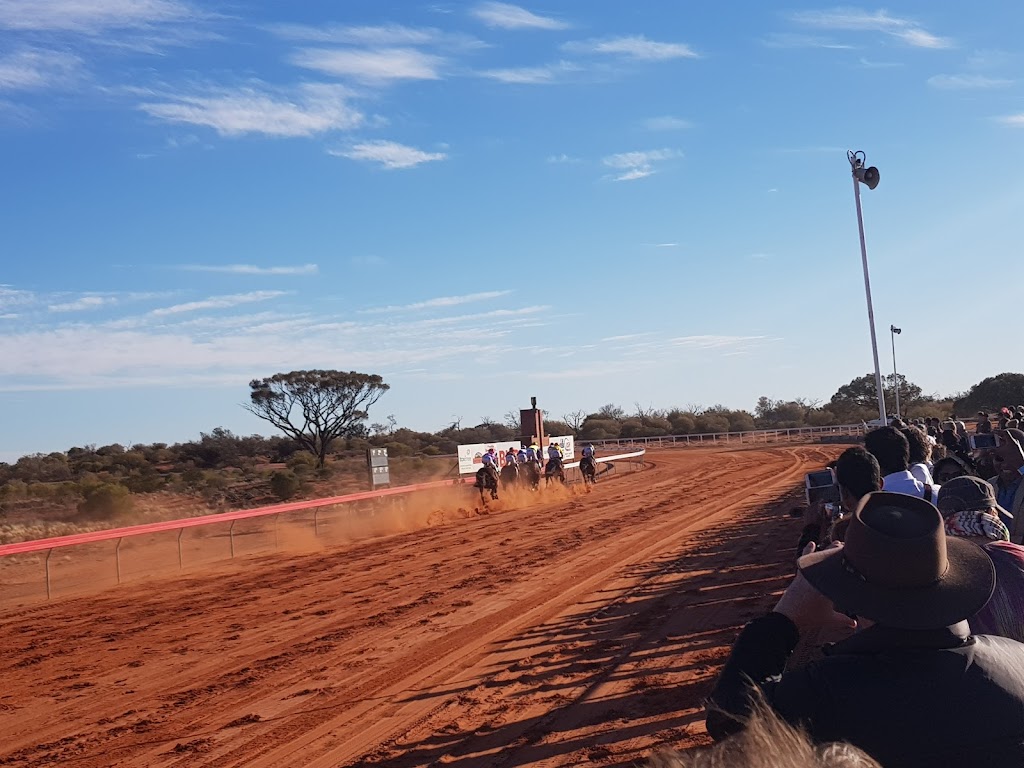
(904, 482)
(922, 473)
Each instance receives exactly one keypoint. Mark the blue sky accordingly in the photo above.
(589, 202)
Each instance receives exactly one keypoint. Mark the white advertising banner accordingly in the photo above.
(568, 446)
(471, 456)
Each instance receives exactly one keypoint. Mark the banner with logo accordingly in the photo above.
(568, 446)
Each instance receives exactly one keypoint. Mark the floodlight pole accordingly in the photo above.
(895, 376)
(858, 165)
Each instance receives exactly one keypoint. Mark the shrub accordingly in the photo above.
(284, 485)
(105, 501)
(302, 463)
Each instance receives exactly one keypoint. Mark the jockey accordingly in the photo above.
(490, 459)
(588, 451)
(510, 457)
(521, 455)
(554, 451)
(533, 453)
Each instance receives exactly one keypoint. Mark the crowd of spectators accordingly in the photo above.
(920, 569)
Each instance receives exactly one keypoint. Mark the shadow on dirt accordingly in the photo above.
(625, 676)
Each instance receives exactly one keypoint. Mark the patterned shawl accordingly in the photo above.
(971, 523)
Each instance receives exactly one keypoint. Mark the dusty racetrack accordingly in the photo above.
(572, 629)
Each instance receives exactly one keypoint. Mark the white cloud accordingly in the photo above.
(368, 260)
(84, 303)
(252, 269)
(92, 16)
(218, 302)
(542, 75)
(562, 159)
(967, 82)
(442, 301)
(308, 110)
(14, 297)
(638, 165)
(508, 16)
(378, 65)
(1015, 120)
(666, 245)
(666, 123)
(32, 69)
(389, 154)
(859, 20)
(634, 47)
(714, 342)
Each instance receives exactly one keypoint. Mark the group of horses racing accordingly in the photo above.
(528, 474)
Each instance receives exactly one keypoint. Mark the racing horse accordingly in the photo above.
(553, 470)
(509, 475)
(588, 468)
(531, 475)
(487, 480)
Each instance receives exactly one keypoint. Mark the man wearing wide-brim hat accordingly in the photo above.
(912, 686)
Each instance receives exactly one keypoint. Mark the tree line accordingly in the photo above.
(325, 421)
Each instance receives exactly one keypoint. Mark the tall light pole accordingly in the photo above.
(893, 330)
(868, 176)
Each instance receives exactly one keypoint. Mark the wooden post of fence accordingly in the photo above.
(277, 519)
(180, 531)
(231, 538)
(316, 529)
(117, 558)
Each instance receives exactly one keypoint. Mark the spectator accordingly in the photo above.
(1008, 459)
(857, 475)
(984, 427)
(946, 469)
(913, 687)
(969, 510)
(920, 454)
(890, 447)
(767, 741)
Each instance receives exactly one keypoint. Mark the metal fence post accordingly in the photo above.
(48, 553)
(117, 558)
(231, 537)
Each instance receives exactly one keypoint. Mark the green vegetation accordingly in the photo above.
(221, 470)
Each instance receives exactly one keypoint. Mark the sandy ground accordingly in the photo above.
(572, 629)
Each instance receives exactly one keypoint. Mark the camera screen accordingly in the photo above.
(817, 479)
(985, 441)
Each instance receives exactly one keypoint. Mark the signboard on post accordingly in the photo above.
(377, 463)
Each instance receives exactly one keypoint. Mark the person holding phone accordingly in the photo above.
(1008, 457)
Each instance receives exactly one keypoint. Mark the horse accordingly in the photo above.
(553, 470)
(509, 475)
(531, 475)
(487, 480)
(588, 468)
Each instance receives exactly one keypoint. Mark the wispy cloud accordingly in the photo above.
(967, 82)
(542, 75)
(508, 16)
(371, 65)
(218, 302)
(792, 40)
(1016, 121)
(666, 245)
(666, 123)
(715, 342)
(443, 301)
(381, 36)
(84, 303)
(93, 16)
(389, 154)
(562, 159)
(368, 260)
(14, 297)
(251, 269)
(307, 110)
(859, 20)
(37, 69)
(636, 47)
(638, 165)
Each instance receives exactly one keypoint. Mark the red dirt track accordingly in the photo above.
(572, 629)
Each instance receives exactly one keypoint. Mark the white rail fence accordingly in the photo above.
(796, 434)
